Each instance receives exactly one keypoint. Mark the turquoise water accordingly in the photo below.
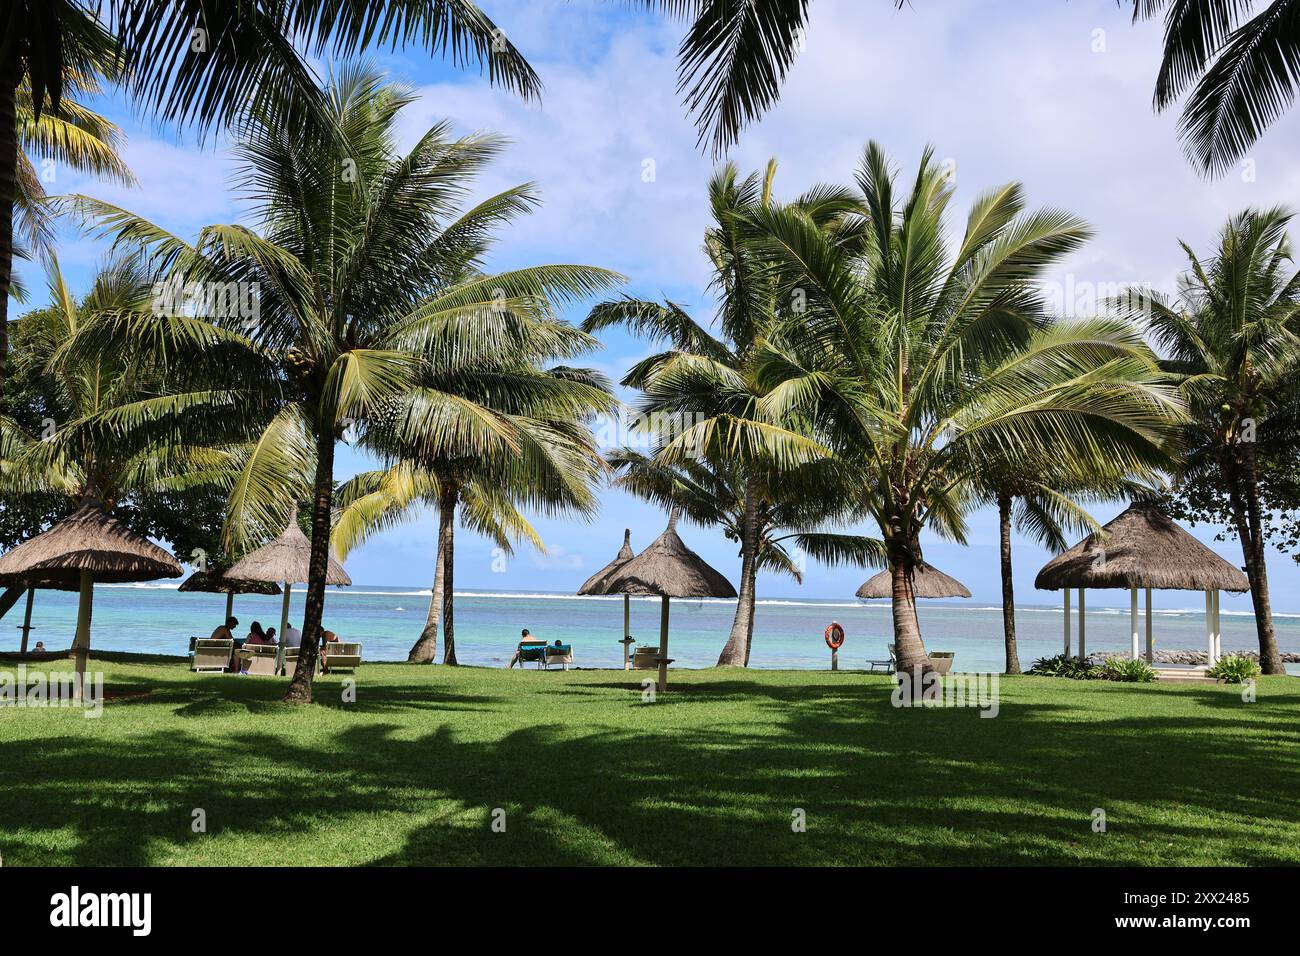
(155, 618)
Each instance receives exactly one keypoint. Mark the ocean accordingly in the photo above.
(154, 618)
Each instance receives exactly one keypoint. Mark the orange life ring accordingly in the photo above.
(834, 636)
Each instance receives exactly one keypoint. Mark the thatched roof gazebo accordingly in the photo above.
(1142, 548)
(593, 586)
(285, 560)
(670, 569)
(215, 582)
(927, 582)
(89, 545)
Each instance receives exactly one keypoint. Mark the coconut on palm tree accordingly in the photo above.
(917, 359)
(1234, 334)
(356, 282)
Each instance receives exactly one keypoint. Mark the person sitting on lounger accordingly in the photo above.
(525, 638)
(257, 636)
(225, 632)
(270, 635)
(39, 648)
(327, 637)
(292, 636)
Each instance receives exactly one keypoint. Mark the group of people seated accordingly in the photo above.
(527, 638)
(256, 636)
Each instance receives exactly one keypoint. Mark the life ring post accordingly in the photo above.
(834, 637)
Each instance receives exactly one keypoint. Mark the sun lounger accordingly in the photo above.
(211, 655)
(532, 652)
(338, 656)
(258, 658)
(560, 655)
(287, 662)
(887, 666)
(645, 658)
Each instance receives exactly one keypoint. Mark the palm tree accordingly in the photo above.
(1243, 62)
(81, 450)
(705, 387)
(363, 278)
(713, 494)
(202, 61)
(1233, 335)
(919, 362)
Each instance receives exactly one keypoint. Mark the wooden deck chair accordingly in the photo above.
(339, 656)
(259, 659)
(557, 655)
(211, 655)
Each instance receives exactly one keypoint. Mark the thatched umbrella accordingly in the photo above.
(927, 582)
(670, 569)
(1142, 548)
(214, 582)
(287, 561)
(593, 586)
(89, 545)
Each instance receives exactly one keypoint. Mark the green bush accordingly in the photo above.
(1234, 669)
(1129, 670)
(1063, 665)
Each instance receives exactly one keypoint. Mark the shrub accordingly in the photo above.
(1234, 669)
(1129, 670)
(1065, 666)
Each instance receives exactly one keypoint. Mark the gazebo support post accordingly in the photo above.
(284, 612)
(1067, 622)
(27, 620)
(627, 618)
(81, 643)
(1133, 621)
(1218, 630)
(1083, 627)
(1151, 641)
(663, 646)
(230, 605)
(1209, 628)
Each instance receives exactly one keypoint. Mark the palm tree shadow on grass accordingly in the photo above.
(878, 785)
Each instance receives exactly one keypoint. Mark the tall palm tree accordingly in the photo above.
(704, 387)
(1240, 61)
(1233, 333)
(202, 61)
(918, 361)
(713, 494)
(362, 273)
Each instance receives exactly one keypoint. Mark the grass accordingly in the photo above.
(589, 774)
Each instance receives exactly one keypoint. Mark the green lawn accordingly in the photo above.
(589, 774)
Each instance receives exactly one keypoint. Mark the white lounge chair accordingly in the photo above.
(259, 658)
(557, 656)
(340, 656)
(211, 655)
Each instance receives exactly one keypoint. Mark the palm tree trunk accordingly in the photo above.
(299, 691)
(447, 545)
(908, 645)
(425, 649)
(736, 651)
(9, 77)
(1008, 591)
(1250, 531)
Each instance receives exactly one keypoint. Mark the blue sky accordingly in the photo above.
(1055, 94)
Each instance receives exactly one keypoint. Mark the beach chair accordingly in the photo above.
(560, 655)
(941, 661)
(888, 666)
(338, 656)
(532, 652)
(211, 655)
(645, 658)
(260, 659)
(287, 661)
